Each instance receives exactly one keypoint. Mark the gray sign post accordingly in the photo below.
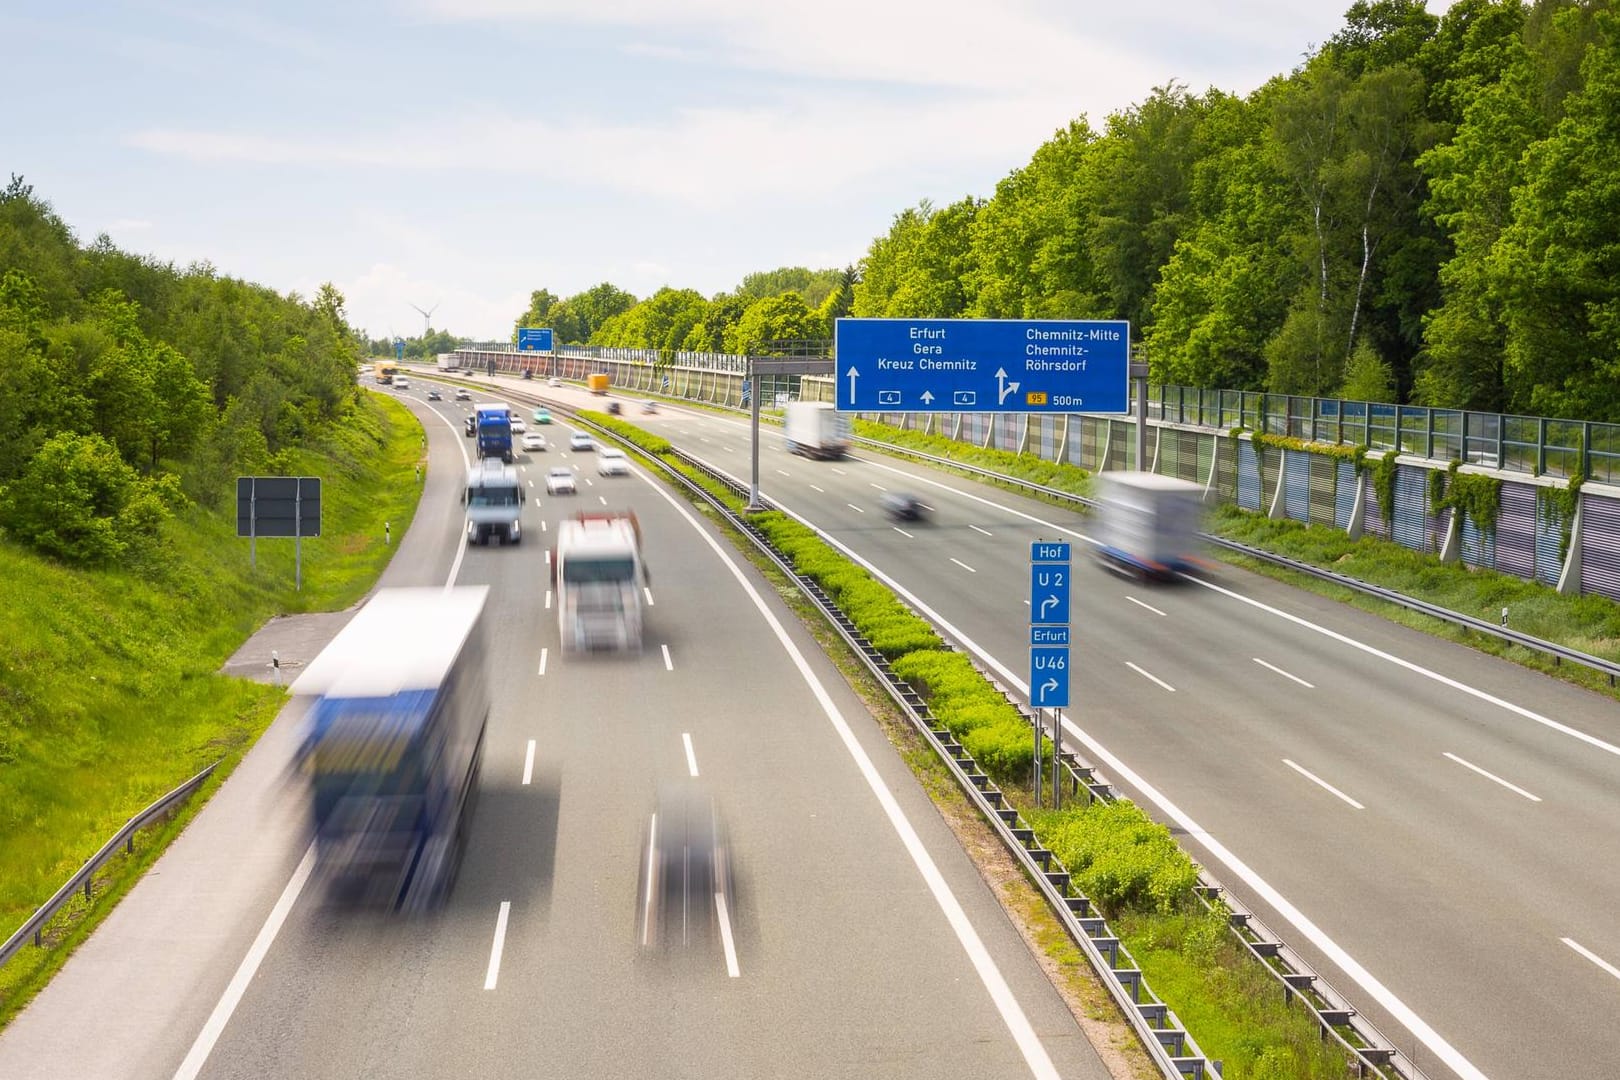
(279, 506)
(759, 367)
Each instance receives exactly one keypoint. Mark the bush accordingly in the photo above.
(1119, 857)
(78, 501)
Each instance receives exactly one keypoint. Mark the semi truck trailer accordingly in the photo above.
(394, 744)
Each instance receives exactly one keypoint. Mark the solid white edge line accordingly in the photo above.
(1492, 776)
(669, 665)
(498, 946)
(1284, 674)
(1402, 1012)
(963, 565)
(995, 984)
(543, 654)
(691, 755)
(528, 763)
(215, 1026)
(1321, 783)
(1592, 956)
(725, 934)
(1150, 677)
(1150, 607)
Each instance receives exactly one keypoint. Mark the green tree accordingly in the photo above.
(80, 502)
(774, 318)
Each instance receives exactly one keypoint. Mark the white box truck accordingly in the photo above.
(447, 362)
(599, 576)
(1148, 524)
(816, 429)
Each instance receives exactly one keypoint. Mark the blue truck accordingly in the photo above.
(394, 743)
(495, 432)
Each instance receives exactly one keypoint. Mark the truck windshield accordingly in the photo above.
(579, 571)
(487, 496)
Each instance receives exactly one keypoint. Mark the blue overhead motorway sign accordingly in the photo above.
(534, 339)
(982, 365)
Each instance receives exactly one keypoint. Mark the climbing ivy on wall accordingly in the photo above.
(1476, 497)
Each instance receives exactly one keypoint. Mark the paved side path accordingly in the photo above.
(294, 639)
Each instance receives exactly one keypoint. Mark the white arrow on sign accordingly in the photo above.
(1049, 602)
(927, 397)
(1003, 387)
(852, 372)
(1048, 687)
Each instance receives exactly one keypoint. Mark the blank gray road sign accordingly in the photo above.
(278, 506)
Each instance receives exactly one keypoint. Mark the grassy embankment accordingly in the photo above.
(109, 695)
(1128, 865)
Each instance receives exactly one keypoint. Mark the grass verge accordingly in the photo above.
(109, 695)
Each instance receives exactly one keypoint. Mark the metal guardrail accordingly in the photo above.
(1558, 652)
(85, 876)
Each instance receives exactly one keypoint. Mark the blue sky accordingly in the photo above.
(459, 154)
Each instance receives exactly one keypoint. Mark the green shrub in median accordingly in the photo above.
(1121, 858)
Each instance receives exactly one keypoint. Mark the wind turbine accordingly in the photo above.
(426, 316)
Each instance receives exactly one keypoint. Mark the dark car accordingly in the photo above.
(434, 395)
(527, 374)
(903, 506)
(614, 408)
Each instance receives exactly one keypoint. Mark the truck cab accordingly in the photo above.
(494, 499)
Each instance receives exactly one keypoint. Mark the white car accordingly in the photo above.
(462, 394)
(580, 440)
(402, 382)
(518, 426)
(534, 441)
(612, 462)
(554, 381)
(560, 481)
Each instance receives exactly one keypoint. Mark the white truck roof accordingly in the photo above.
(403, 639)
(598, 535)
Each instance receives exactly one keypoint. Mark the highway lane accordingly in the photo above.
(1458, 899)
(847, 964)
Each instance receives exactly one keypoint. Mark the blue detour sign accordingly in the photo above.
(982, 365)
(1049, 593)
(1049, 677)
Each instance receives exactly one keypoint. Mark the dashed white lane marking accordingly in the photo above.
(1284, 674)
(725, 935)
(669, 665)
(691, 755)
(1140, 604)
(1493, 777)
(902, 532)
(543, 653)
(494, 973)
(986, 532)
(528, 763)
(1150, 676)
(1592, 956)
(1323, 784)
(963, 565)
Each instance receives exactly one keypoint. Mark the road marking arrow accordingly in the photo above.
(1003, 387)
